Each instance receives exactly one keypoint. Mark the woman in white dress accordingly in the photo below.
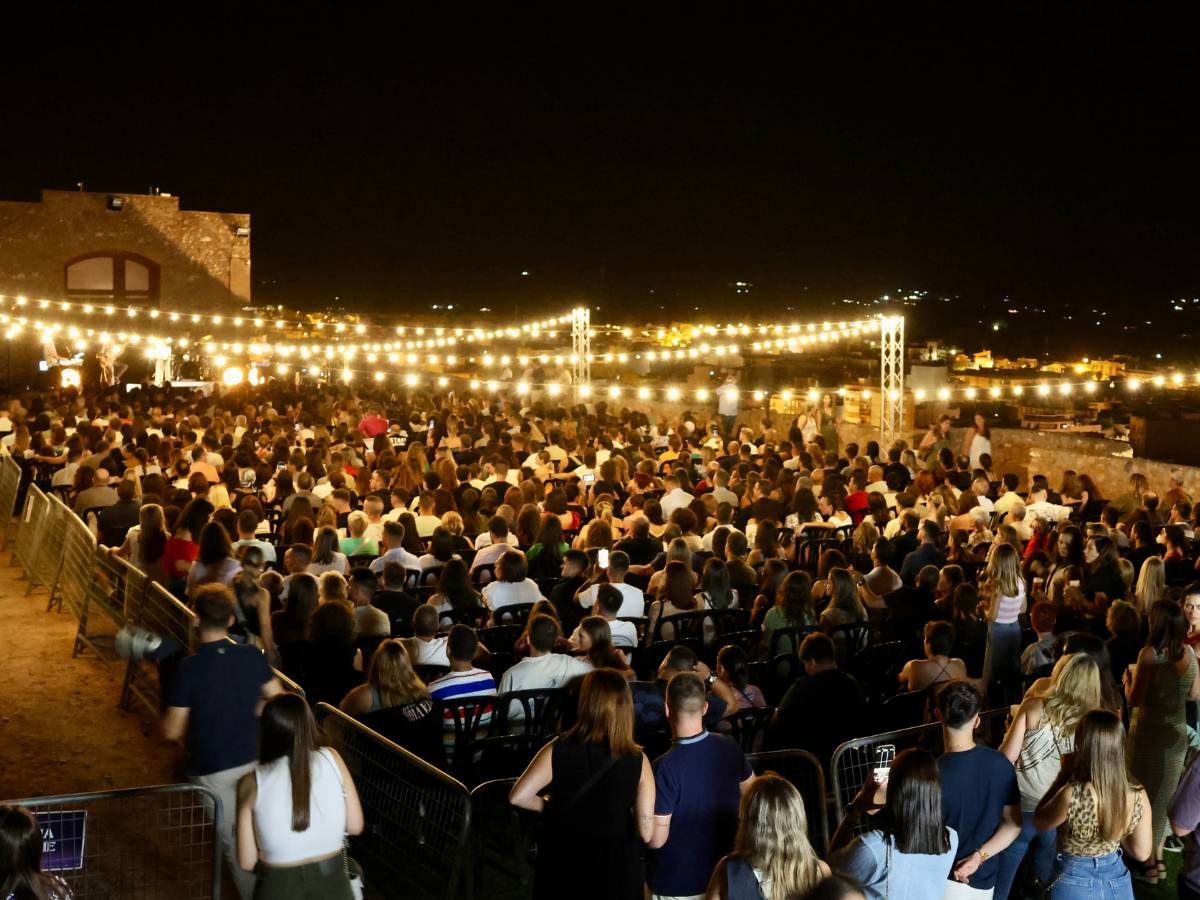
(977, 441)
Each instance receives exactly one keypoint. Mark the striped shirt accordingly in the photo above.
(469, 683)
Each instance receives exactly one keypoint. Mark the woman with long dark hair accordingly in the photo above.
(1158, 688)
(183, 548)
(214, 559)
(21, 875)
(546, 553)
(600, 776)
(295, 809)
(1098, 810)
(907, 843)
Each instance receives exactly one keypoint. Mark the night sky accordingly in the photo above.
(1050, 162)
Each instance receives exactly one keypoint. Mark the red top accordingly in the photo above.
(178, 550)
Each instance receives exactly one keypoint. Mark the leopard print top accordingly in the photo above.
(1079, 835)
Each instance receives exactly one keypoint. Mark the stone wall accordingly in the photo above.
(203, 264)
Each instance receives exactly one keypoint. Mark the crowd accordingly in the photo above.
(700, 588)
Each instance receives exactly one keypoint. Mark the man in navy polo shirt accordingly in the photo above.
(980, 798)
(214, 701)
(699, 784)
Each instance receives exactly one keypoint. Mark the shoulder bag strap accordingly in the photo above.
(593, 778)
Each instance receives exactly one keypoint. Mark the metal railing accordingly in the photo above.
(417, 817)
(143, 842)
(853, 761)
(803, 770)
(34, 516)
(152, 606)
(48, 555)
(10, 487)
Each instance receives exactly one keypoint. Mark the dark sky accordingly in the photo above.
(401, 164)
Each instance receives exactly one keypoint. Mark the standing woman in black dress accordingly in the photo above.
(602, 804)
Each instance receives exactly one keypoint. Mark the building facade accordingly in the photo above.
(125, 249)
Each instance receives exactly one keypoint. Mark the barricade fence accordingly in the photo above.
(10, 487)
(34, 517)
(803, 770)
(152, 607)
(415, 844)
(138, 844)
(854, 761)
(48, 555)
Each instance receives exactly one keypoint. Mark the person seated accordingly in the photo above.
(608, 606)
(520, 648)
(498, 543)
(822, 710)
(733, 670)
(938, 666)
(633, 601)
(511, 585)
(395, 602)
(1038, 657)
(544, 669)
(463, 680)
(649, 712)
(592, 641)
(426, 646)
(356, 543)
(883, 579)
(393, 549)
(393, 685)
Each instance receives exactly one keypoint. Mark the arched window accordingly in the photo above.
(112, 276)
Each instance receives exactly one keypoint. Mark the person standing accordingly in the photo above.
(599, 775)
(980, 797)
(977, 441)
(1158, 688)
(1098, 811)
(698, 785)
(727, 404)
(212, 702)
(295, 809)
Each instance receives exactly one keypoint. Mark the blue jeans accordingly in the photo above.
(1091, 878)
(1040, 845)
(1003, 657)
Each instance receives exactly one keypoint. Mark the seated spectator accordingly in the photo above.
(392, 685)
(356, 543)
(648, 696)
(393, 549)
(214, 559)
(593, 639)
(882, 579)
(300, 854)
(908, 843)
(463, 679)
(247, 530)
(821, 711)
(677, 597)
(92, 490)
(369, 619)
(113, 522)
(497, 545)
(441, 550)
(793, 608)
(640, 546)
(1038, 657)
(182, 547)
(608, 607)
(938, 666)
(395, 602)
(561, 643)
(145, 543)
(426, 647)
(772, 855)
(980, 797)
(715, 590)
(454, 589)
(926, 554)
(252, 607)
(845, 605)
(698, 783)
(633, 601)
(544, 557)
(334, 589)
(511, 586)
(733, 669)
(544, 669)
(326, 557)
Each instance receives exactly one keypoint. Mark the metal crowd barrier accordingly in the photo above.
(417, 817)
(155, 609)
(853, 761)
(144, 842)
(30, 534)
(803, 770)
(48, 555)
(10, 486)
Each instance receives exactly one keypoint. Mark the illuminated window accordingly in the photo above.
(123, 278)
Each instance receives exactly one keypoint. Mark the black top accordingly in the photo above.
(399, 607)
(641, 551)
(597, 816)
(818, 713)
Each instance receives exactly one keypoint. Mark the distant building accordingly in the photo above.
(125, 249)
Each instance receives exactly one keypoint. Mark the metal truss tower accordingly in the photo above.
(581, 351)
(891, 381)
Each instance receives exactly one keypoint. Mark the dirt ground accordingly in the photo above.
(61, 730)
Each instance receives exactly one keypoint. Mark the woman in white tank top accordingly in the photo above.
(295, 808)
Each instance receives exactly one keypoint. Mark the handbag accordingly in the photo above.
(354, 872)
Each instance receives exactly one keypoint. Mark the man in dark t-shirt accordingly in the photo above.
(980, 797)
(698, 784)
(213, 702)
(821, 711)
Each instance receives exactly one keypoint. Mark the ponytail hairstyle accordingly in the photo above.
(287, 730)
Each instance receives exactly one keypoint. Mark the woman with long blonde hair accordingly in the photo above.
(1098, 811)
(412, 719)
(772, 857)
(1151, 585)
(1042, 731)
(1003, 589)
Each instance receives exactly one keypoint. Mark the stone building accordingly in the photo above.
(126, 249)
